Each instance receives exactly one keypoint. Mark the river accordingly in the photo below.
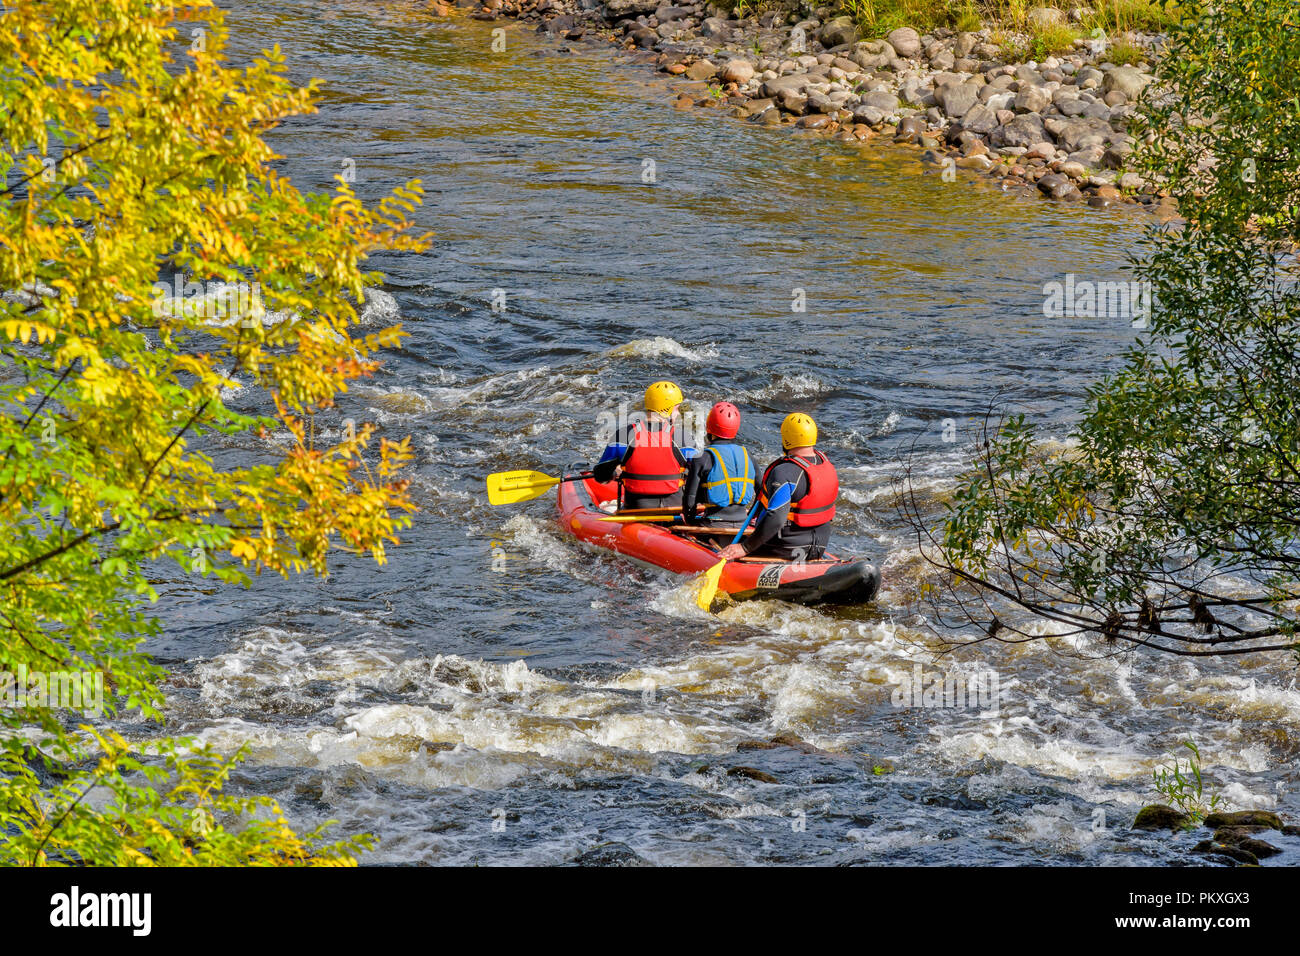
(497, 694)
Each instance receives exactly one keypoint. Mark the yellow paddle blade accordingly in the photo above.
(709, 586)
(508, 487)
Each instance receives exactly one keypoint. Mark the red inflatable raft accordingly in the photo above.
(693, 550)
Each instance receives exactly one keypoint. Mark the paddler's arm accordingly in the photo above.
(605, 471)
(773, 521)
(696, 469)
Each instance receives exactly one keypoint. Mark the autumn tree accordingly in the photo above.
(133, 153)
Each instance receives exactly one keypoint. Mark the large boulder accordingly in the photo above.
(701, 70)
(868, 115)
(882, 100)
(905, 41)
(794, 83)
(1245, 818)
(737, 70)
(1159, 816)
(956, 99)
(1128, 80)
(838, 32)
(622, 9)
(979, 119)
(1023, 130)
(1075, 134)
(1032, 99)
(715, 27)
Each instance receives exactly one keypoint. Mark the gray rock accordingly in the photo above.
(914, 90)
(964, 44)
(838, 32)
(979, 119)
(956, 98)
(1032, 99)
(1116, 155)
(820, 103)
(737, 70)
(792, 101)
(869, 115)
(1089, 156)
(1023, 130)
(943, 60)
(1128, 80)
(622, 9)
(701, 70)
(905, 41)
(715, 27)
(1027, 74)
(1076, 134)
(1088, 78)
(667, 12)
(795, 82)
(882, 100)
(911, 127)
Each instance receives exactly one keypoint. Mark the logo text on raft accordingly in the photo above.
(770, 577)
(74, 909)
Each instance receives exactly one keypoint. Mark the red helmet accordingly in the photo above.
(724, 420)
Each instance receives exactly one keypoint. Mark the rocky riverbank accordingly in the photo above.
(1058, 128)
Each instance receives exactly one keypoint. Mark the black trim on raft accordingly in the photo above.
(849, 583)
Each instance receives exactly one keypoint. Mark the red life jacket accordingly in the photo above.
(652, 467)
(817, 506)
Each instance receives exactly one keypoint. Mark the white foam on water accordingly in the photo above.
(378, 308)
(786, 387)
(661, 345)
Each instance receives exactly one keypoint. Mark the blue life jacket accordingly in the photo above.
(731, 479)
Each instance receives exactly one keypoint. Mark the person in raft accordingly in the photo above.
(650, 470)
(721, 470)
(800, 530)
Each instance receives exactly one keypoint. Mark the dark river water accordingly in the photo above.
(496, 694)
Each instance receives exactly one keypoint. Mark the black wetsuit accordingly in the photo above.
(694, 495)
(775, 536)
(605, 472)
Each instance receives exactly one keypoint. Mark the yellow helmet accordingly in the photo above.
(798, 430)
(662, 397)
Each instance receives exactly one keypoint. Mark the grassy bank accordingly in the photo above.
(1023, 35)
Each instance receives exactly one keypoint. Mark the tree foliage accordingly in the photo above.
(1172, 518)
(133, 151)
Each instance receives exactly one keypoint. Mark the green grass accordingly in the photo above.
(1116, 17)
(1124, 53)
(1048, 40)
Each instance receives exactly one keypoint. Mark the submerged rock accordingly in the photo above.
(1236, 853)
(1241, 836)
(1159, 816)
(751, 773)
(1245, 818)
(609, 854)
